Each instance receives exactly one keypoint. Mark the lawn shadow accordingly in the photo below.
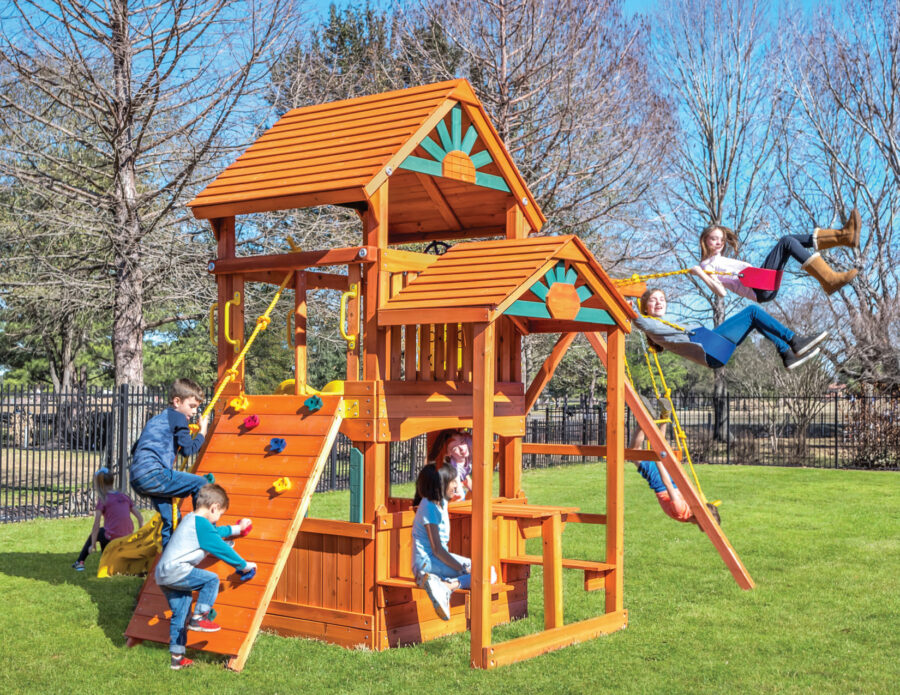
(115, 597)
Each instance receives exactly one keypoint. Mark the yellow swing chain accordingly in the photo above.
(635, 279)
(680, 436)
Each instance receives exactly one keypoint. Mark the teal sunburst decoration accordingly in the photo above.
(453, 158)
(560, 299)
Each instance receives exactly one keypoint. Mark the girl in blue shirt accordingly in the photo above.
(435, 568)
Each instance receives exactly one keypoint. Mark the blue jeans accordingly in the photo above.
(792, 246)
(161, 485)
(738, 327)
(434, 566)
(179, 596)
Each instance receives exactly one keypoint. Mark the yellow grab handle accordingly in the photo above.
(212, 323)
(236, 301)
(352, 293)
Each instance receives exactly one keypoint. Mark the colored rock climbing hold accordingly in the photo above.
(247, 576)
(277, 445)
(239, 403)
(313, 403)
(282, 484)
(251, 421)
(210, 477)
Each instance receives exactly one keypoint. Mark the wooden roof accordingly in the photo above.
(449, 171)
(480, 281)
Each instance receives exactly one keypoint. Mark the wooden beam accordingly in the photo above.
(510, 450)
(440, 202)
(375, 288)
(615, 469)
(586, 450)
(483, 367)
(289, 202)
(529, 646)
(293, 261)
(300, 315)
(396, 261)
(551, 535)
(659, 444)
(516, 224)
(545, 373)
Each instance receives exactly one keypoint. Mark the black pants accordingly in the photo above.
(104, 541)
(788, 247)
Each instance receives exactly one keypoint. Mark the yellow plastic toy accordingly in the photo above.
(132, 555)
(282, 484)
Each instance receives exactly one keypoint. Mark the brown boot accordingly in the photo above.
(848, 236)
(830, 279)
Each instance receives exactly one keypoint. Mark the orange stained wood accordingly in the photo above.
(475, 281)
(344, 151)
(669, 460)
(241, 462)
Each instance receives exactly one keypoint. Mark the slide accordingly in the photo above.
(273, 487)
(667, 458)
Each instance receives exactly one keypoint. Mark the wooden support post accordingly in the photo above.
(516, 225)
(667, 457)
(375, 287)
(377, 554)
(354, 276)
(545, 373)
(228, 286)
(299, 332)
(483, 366)
(551, 533)
(510, 466)
(615, 468)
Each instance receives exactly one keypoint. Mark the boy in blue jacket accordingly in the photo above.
(153, 455)
(177, 573)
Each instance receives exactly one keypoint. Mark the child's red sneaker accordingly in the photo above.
(180, 661)
(202, 623)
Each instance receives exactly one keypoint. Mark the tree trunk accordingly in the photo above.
(128, 324)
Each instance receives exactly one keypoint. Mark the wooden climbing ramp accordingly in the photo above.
(241, 461)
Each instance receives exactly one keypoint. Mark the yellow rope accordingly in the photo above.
(262, 323)
(680, 436)
(634, 279)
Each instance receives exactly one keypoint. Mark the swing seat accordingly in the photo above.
(760, 278)
(713, 344)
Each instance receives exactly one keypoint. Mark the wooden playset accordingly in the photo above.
(433, 342)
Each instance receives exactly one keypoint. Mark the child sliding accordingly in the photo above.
(715, 239)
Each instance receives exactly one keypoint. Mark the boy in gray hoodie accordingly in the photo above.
(177, 573)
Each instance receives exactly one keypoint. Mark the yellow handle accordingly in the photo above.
(352, 293)
(212, 323)
(228, 304)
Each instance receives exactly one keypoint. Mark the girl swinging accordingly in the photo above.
(715, 239)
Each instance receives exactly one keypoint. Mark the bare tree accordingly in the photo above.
(152, 90)
(716, 61)
(840, 149)
(567, 87)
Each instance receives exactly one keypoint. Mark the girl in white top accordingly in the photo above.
(715, 239)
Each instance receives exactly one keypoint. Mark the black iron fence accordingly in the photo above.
(51, 444)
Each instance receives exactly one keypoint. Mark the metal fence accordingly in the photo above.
(51, 444)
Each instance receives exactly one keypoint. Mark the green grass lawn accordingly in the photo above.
(823, 547)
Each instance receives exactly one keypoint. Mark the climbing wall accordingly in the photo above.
(244, 459)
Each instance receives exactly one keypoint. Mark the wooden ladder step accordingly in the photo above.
(594, 571)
